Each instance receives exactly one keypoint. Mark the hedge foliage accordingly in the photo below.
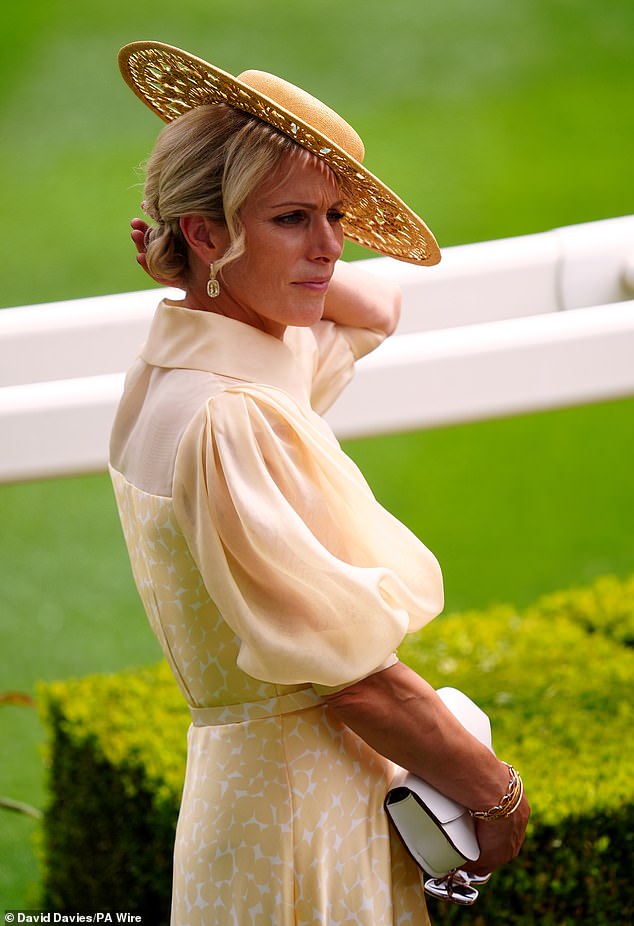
(117, 751)
(558, 690)
(555, 680)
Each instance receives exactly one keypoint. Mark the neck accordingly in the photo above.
(223, 305)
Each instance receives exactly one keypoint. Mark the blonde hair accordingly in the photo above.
(205, 162)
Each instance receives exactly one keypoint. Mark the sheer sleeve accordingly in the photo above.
(317, 580)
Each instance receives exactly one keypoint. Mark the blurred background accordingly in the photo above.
(491, 120)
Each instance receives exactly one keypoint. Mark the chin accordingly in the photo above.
(306, 315)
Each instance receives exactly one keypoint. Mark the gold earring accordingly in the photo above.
(213, 286)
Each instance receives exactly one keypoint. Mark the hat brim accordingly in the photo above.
(171, 81)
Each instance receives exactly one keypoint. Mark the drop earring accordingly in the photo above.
(213, 286)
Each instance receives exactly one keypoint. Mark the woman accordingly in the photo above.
(278, 587)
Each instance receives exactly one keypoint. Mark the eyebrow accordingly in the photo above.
(296, 204)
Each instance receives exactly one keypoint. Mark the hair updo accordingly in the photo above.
(206, 162)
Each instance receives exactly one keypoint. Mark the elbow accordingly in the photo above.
(365, 697)
(363, 710)
(391, 304)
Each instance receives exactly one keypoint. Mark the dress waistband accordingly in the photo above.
(255, 710)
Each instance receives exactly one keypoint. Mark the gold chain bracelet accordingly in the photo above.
(509, 802)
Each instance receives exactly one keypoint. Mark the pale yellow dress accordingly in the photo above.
(270, 575)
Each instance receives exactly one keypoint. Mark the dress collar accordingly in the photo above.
(190, 339)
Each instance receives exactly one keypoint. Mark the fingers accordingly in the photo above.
(501, 841)
(138, 233)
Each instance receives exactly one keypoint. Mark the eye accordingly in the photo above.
(334, 216)
(291, 218)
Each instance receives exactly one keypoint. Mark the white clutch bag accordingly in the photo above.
(438, 832)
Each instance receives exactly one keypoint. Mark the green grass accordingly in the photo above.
(515, 507)
(492, 119)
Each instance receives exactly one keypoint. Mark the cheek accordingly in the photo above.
(250, 271)
(266, 255)
(278, 261)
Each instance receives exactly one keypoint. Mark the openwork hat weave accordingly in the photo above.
(171, 82)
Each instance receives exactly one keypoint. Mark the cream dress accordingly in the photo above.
(270, 576)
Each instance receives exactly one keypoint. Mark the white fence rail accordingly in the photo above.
(498, 328)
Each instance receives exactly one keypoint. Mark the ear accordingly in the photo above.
(207, 239)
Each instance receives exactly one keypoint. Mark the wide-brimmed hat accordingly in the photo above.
(171, 82)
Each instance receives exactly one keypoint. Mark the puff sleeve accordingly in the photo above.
(317, 580)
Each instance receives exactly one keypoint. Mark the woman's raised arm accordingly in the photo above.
(362, 300)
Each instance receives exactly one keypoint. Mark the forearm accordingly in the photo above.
(362, 300)
(401, 717)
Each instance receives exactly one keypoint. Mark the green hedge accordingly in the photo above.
(555, 680)
(559, 697)
(606, 607)
(117, 751)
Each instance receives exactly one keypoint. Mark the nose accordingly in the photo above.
(326, 239)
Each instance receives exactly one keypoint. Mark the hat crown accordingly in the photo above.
(308, 109)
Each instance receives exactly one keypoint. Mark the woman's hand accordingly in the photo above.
(500, 840)
(139, 231)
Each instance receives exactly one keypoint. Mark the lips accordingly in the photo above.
(318, 286)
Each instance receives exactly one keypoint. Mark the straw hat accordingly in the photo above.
(171, 82)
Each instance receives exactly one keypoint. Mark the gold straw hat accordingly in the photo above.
(171, 82)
